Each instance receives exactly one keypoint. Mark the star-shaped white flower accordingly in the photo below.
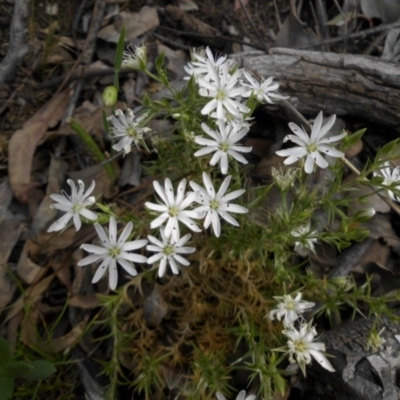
(174, 208)
(224, 143)
(391, 177)
(289, 309)
(311, 146)
(262, 91)
(225, 91)
(240, 396)
(202, 61)
(168, 250)
(75, 206)
(217, 204)
(113, 251)
(306, 239)
(128, 129)
(301, 347)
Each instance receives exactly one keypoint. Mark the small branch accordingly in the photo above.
(19, 45)
(252, 24)
(358, 35)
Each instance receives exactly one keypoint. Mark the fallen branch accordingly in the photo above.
(347, 85)
(19, 45)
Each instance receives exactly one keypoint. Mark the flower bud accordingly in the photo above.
(110, 96)
(284, 177)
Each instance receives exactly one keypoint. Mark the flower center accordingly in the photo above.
(173, 211)
(114, 252)
(77, 207)
(169, 250)
(221, 95)
(224, 147)
(300, 346)
(131, 131)
(312, 147)
(214, 205)
(290, 305)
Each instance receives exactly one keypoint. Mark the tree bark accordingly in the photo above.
(357, 86)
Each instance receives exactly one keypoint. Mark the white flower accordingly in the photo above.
(391, 177)
(135, 58)
(312, 146)
(168, 249)
(74, 206)
(224, 143)
(301, 347)
(217, 204)
(174, 209)
(202, 62)
(307, 239)
(224, 90)
(128, 128)
(262, 91)
(240, 396)
(113, 251)
(289, 309)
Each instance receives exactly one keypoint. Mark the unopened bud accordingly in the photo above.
(110, 96)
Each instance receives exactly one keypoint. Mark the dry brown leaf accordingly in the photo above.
(293, 35)
(7, 287)
(55, 181)
(154, 307)
(176, 59)
(67, 341)
(104, 186)
(24, 142)
(136, 24)
(32, 294)
(238, 6)
(189, 5)
(89, 301)
(387, 10)
(27, 269)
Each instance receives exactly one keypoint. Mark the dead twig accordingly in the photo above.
(358, 35)
(87, 53)
(19, 45)
(252, 25)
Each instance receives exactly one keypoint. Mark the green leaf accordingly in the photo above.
(6, 388)
(41, 370)
(388, 149)
(15, 369)
(118, 57)
(351, 140)
(93, 147)
(120, 50)
(279, 383)
(5, 354)
(160, 62)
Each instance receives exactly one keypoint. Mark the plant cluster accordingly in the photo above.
(213, 333)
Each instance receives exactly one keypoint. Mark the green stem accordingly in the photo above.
(93, 147)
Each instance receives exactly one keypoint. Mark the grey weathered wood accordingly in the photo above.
(360, 373)
(344, 84)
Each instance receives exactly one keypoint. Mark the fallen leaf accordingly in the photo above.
(27, 269)
(293, 34)
(33, 293)
(24, 142)
(154, 307)
(136, 24)
(387, 10)
(81, 301)
(176, 59)
(238, 6)
(189, 5)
